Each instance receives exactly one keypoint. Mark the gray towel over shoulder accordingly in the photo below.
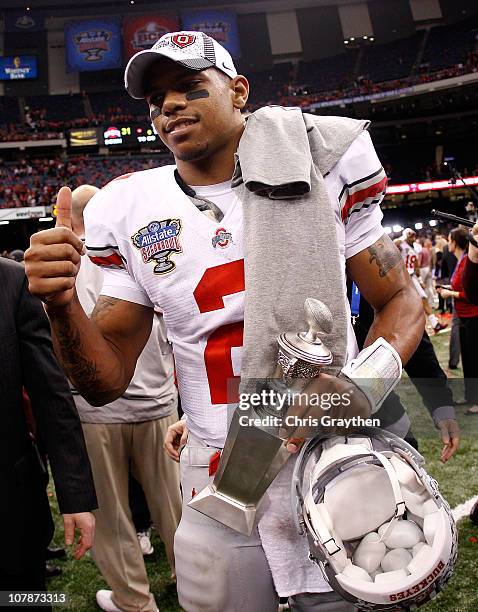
(290, 242)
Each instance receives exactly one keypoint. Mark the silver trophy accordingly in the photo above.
(253, 455)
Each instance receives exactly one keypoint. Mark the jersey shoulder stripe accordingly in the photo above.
(363, 193)
(107, 256)
(110, 261)
(360, 183)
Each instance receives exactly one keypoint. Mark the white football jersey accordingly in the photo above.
(410, 256)
(159, 250)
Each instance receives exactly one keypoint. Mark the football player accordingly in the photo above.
(406, 245)
(171, 237)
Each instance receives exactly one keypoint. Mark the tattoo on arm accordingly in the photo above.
(103, 305)
(385, 254)
(82, 372)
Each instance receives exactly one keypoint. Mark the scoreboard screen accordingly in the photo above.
(83, 137)
(129, 135)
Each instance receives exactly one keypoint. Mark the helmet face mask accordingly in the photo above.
(337, 482)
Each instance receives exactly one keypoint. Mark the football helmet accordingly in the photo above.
(376, 522)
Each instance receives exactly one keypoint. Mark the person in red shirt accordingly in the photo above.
(470, 287)
(470, 269)
(468, 315)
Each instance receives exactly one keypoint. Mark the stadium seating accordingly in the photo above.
(9, 110)
(449, 51)
(56, 108)
(117, 106)
(35, 182)
(327, 74)
(268, 86)
(449, 45)
(390, 61)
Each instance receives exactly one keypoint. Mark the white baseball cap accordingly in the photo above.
(194, 50)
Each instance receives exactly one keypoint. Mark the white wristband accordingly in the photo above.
(375, 371)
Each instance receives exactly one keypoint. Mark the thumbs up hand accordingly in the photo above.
(63, 208)
(53, 260)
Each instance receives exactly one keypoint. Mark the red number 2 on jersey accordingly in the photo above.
(214, 285)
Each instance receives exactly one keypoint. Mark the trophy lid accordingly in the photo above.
(308, 346)
(294, 345)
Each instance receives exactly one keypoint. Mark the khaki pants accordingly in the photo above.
(112, 448)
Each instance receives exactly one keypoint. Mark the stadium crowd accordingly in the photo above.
(38, 126)
(34, 181)
(303, 95)
(44, 120)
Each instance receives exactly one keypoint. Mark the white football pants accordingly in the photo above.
(220, 570)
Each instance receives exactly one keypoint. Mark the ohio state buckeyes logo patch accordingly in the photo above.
(222, 238)
(157, 242)
(183, 40)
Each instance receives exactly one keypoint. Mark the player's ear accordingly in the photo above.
(240, 89)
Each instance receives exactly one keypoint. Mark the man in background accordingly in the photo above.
(128, 434)
(426, 267)
(406, 246)
(27, 362)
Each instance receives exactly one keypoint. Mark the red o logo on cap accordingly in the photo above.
(183, 40)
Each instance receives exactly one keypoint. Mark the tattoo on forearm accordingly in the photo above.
(385, 254)
(82, 372)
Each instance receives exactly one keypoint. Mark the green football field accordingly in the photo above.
(458, 482)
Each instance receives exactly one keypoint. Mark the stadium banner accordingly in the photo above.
(141, 33)
(28, 212)
(93, 45)
(469, 181)
(24, 21)
(18, 67)
(220, 25)
(404, 91)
